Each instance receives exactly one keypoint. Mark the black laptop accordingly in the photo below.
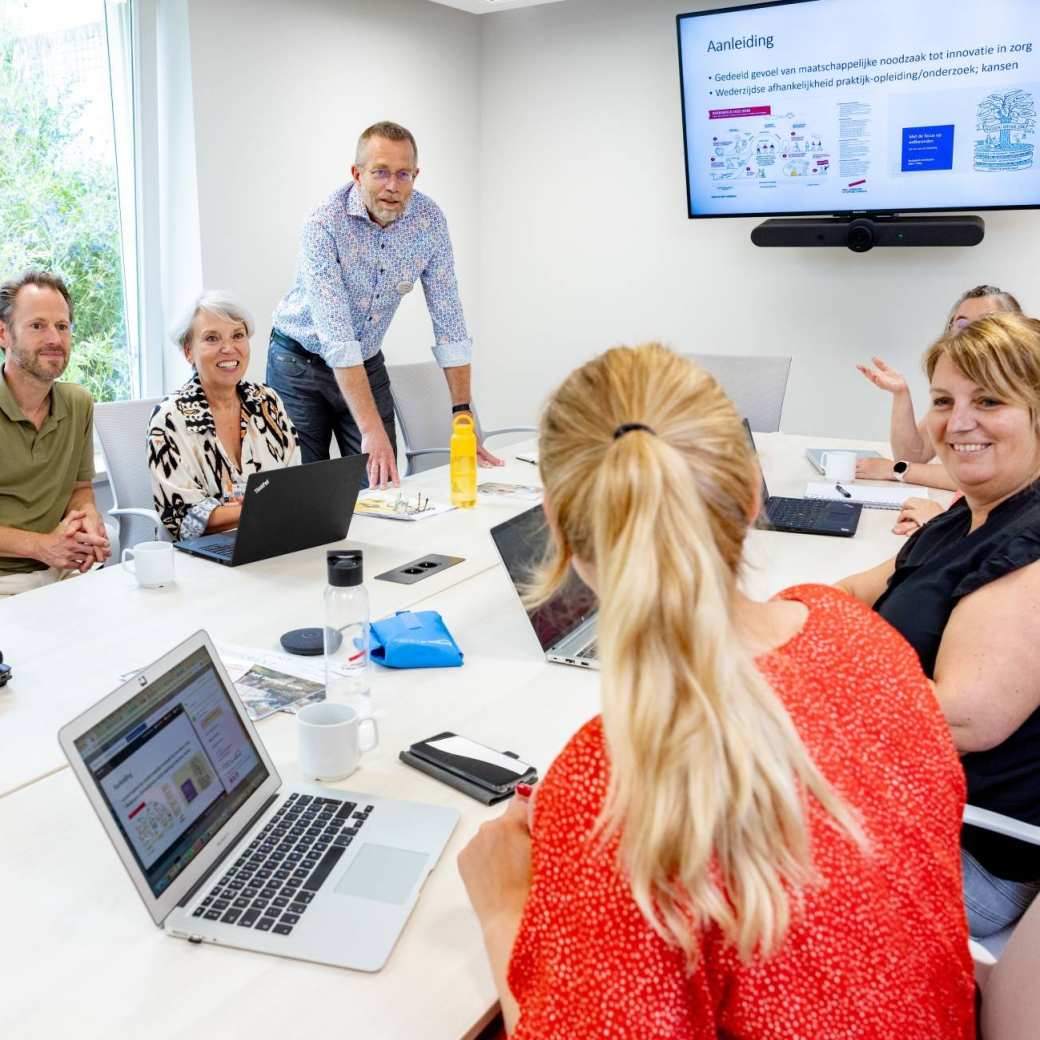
(285, 510)
(805, 515)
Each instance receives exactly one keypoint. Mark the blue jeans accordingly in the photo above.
(315, 403)
(991, 902)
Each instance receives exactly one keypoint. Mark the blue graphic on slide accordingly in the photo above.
(1006, 119)
(927, 148)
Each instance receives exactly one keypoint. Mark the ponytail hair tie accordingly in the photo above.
(630, 426)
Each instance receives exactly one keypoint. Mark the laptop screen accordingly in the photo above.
(762, 520)
(173, 765)
(522, 543)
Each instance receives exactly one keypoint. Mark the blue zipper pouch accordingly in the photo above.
(413, 639)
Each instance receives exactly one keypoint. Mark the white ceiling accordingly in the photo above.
(490, 6)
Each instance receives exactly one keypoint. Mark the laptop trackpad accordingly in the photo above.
(383, 873)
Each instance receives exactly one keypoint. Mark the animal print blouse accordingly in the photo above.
(192, 474)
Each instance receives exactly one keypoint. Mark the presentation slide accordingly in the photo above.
(162, 787)
(830, 106)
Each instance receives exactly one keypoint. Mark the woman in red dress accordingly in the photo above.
(759, 835)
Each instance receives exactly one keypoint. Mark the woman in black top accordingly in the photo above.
(965, 592)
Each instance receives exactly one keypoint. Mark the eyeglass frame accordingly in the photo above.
(385, 176)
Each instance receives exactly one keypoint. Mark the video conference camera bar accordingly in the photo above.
(861, 233)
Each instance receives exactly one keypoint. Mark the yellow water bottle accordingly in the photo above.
(463, 461)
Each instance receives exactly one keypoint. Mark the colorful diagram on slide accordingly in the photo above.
(771, 148)
(1007, 118)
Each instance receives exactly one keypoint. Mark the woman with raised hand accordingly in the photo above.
(910, 443)
(207, 437)
(965, 592)
(758, 837)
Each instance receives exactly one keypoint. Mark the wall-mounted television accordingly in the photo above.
(861, 106)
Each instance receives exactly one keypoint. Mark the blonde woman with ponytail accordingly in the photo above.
(758, 837)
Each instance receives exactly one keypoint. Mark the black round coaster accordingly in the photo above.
(307, 642)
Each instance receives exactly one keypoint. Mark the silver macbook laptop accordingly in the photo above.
(219, 850)
(566, 625)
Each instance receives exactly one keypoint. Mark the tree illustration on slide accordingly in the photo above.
(1005, 118)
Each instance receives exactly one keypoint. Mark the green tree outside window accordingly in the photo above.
(59, 212)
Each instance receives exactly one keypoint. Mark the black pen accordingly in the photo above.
(520, 458)
(841, 490)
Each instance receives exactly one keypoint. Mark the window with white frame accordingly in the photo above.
(67, 193)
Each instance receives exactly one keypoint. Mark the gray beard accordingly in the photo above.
(384, 217)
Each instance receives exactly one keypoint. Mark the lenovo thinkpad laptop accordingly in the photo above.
(285, 510)
(805, 515)
(566, 625)
(219, 850)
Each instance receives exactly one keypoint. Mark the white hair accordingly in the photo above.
(216, 301)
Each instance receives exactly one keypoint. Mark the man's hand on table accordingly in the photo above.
(382, 466)
(77, 543)
(485, 458)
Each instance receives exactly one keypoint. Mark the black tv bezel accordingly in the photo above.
(762, 214)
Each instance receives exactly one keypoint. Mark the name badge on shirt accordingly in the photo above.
(404, 288)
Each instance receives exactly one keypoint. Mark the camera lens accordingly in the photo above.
(861, 236)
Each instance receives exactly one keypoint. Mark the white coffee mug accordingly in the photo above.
(839, 465)
(151, 563)
(330, 740)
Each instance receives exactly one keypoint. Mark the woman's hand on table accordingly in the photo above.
(874, 469)
(916, 512)
(496, 866)
(496, 870)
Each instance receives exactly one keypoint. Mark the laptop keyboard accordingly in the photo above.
(591, 652)
(224, 551)
(797, 512)
(270, 886)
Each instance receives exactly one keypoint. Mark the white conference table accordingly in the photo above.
(68, 644)
(79, 950)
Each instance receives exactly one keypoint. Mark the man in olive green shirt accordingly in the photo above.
(49, 525)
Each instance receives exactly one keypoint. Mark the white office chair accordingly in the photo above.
(755, 383)
(1011, 828)
(1006, 963)
(1010, 996)
(423, 407)
(121, 428)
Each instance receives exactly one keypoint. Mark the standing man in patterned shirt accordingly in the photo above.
(360, 253)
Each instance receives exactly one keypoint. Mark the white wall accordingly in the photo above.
(584, 240)
(551, 136)
(281, 92)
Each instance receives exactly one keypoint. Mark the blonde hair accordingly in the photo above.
(708, 777)
(1000, 353)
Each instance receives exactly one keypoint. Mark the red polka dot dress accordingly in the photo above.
(880, 951)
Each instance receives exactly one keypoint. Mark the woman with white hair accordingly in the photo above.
(207, 437)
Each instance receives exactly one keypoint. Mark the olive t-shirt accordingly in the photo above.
(38, 468)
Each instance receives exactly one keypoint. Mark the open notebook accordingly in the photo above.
(866, 495)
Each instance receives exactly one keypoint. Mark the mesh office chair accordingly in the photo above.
(121, 428)
(423, 406)
(755, 383)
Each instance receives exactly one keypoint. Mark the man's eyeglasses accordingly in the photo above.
(384, 176)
